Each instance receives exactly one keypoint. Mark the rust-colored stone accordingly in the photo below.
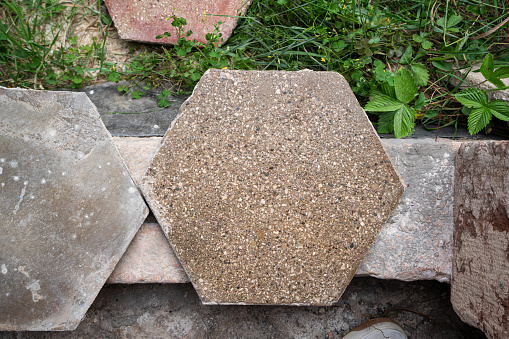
(480, 280)
(143, 20)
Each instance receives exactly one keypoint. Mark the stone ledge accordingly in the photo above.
(415, 243)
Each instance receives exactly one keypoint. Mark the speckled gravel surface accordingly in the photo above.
(271, 186)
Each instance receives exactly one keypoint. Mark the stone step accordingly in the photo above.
(415, 243)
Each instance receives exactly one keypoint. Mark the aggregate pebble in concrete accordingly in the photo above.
(416, 242)
(68, 208)
(480, 284)
(143, 20)
(271, 187)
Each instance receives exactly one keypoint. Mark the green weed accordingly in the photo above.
(400, 57)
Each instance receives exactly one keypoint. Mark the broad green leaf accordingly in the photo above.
(443, 65)
(441, 22)
(501, 73)
(386, 123)
(406, 58)
(420, 73)
(427, 44)
(417, 38)
(405, 86)
(338, 46)
(472, 97)
(499, 109)
(421, 100)
(478, 119)
(497, 82)
(382, 103)
(403, 121)
(487, 66)
(163, 103)
(453, 20)
(388, 89)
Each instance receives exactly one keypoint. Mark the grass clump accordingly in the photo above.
(400, 57)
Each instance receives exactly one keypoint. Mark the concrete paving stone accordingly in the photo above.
(68, 208)
(271, 187)
(144, 20)
(414, 244)
(124, 116)
(416, 241)
(480, 280)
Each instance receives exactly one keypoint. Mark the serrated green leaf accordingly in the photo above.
(496, 81)
(405, 86)
(453, 20)
(420, 73)
(421, 100)
(499, 109)
(163, 103)
(501, 73)
(403, 121)
(478, 119)
(441, 22)
(382, 103)
(487, 66)
(387, 89)
(406, 58)
(472, 97)
(386, 123)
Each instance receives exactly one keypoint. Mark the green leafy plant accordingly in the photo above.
(394, 103)
(475, 101)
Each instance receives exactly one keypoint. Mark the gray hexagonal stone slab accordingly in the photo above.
(271, 187)
(68, 208)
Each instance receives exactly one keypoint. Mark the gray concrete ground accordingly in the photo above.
(422, 308)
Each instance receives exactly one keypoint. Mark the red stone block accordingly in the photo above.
(144, 20)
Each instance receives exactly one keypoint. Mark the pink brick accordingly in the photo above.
(148, 259)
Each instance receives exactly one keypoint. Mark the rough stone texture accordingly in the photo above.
(68, 208)
(271, 186)
(144, 20)
(148, 259)
(124, 116)
(476, 79)
(414, 244)
(416, 241)
(480, 281)
(175, 311)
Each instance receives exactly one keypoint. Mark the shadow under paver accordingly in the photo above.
(68, 208)
(271, 186)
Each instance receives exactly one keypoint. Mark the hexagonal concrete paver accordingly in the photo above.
(68, 208)
(144, 20)
(271, 186)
